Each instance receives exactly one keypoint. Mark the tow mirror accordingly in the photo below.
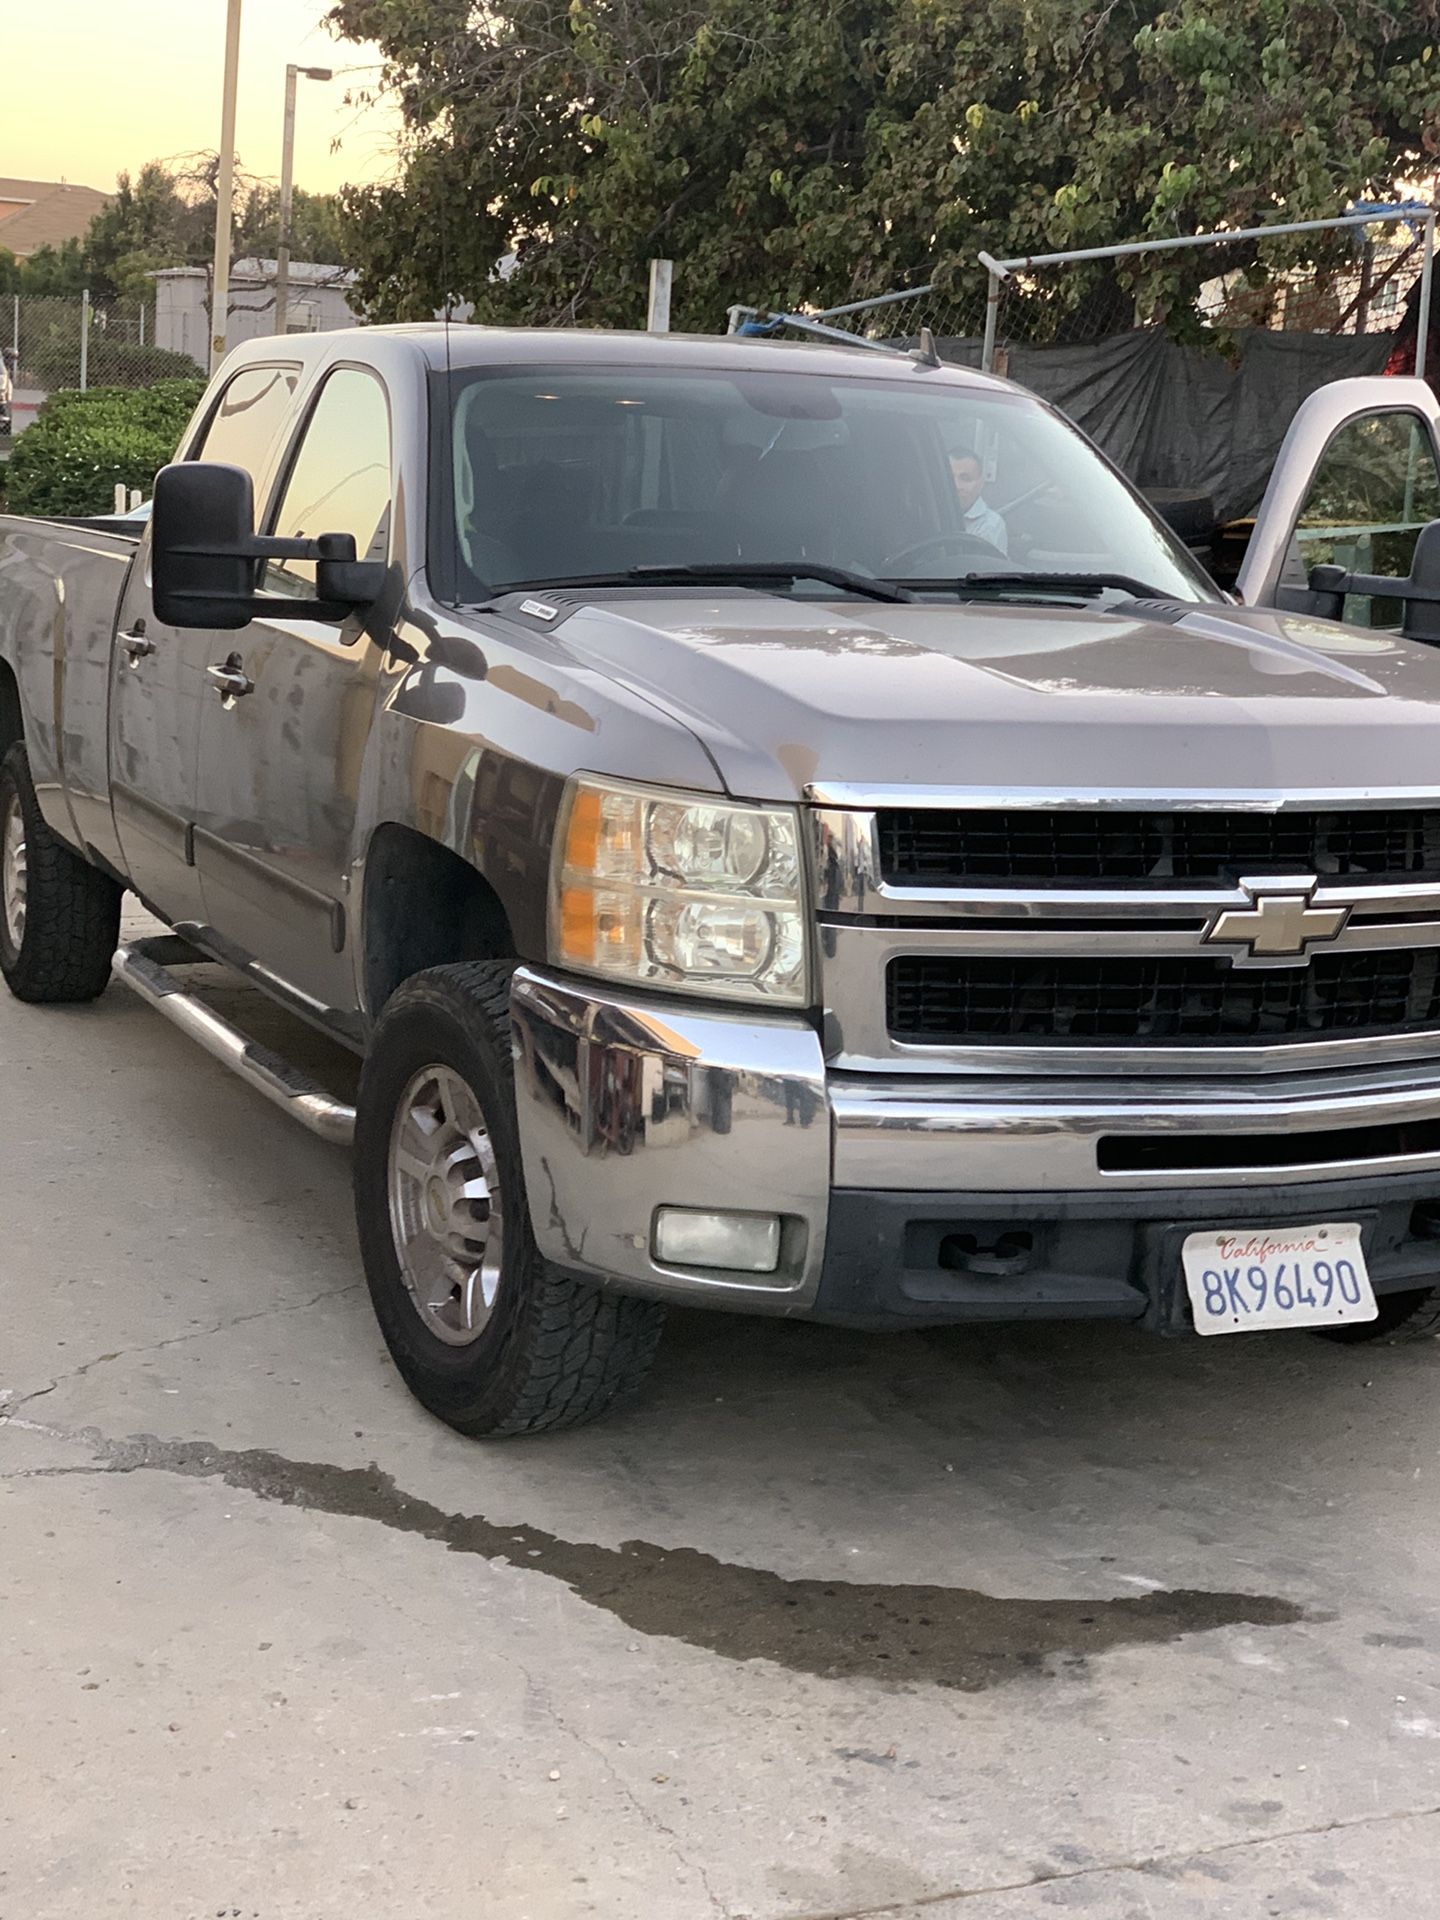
(1418, 592)
(205, 555)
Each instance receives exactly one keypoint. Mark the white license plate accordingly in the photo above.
(1242, 1281)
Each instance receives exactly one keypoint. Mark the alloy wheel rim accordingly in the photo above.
(14, 873)
(446, 1207)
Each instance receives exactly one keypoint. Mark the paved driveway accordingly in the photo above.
(992, 1627)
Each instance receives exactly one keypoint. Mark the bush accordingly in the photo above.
(53, 361)
(82, 444)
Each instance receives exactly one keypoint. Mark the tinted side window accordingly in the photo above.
(246, 425)
(340, 479)
(1375, 487)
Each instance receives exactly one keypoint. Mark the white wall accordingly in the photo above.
(182, 321)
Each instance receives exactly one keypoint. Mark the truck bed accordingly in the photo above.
(62, 582)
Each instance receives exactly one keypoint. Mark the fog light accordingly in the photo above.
(738, 1242)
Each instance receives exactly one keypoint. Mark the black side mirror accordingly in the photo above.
(201, 526)
(204, 554)
(1418, 592)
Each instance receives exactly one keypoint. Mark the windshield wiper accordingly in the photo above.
(738, 573)
(1077, 583)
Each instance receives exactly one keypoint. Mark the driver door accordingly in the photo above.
(287, 718)
(1356, 481)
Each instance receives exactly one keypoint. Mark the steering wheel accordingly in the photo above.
(906, 556)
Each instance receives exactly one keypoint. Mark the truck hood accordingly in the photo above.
(793, 698)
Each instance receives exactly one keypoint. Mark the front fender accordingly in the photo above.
(476, 736)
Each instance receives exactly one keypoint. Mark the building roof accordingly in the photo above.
(303, 273)
(44, 213)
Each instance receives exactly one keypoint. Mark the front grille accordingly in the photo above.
(955, 1001)
(921, 846)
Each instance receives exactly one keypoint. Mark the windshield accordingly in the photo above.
(564, 475)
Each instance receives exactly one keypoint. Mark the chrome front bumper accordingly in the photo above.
(627, 1104)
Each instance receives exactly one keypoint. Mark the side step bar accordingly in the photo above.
(143, 966)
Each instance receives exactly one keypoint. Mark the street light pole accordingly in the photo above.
(287, 192)
(225, 194)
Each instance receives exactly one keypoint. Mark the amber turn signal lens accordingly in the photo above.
(577, 923)
(582, 840)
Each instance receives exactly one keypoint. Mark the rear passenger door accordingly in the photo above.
(1356, 481)
(281, 759)
(158, 682)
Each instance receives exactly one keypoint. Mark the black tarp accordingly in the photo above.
(1173, 416)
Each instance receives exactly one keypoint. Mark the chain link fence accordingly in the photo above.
(1358, 274)
(53, 342)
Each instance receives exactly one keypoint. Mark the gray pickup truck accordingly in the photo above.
(786, 828)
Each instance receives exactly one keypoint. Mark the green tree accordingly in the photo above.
(315, 227)
(782, 152)
(165, 217)
(54, 270)
(148, 224)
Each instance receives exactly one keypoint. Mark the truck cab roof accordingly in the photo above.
(462, 346)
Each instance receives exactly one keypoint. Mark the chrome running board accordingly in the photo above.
(144, 965)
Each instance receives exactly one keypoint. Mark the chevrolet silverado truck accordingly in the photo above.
(786, 828)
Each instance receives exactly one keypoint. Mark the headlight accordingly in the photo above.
(702, 896)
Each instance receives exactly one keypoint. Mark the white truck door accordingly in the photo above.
(1356, 482)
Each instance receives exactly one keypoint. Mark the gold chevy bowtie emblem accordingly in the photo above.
(1278, 924)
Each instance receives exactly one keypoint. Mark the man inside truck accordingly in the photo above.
(969, 478)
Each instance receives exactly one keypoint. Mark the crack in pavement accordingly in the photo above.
(647, 1816)
(9, 1406)
(545, 1700)
(1155, 1863)
(836, 1629)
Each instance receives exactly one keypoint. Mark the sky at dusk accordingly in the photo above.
(93, 86)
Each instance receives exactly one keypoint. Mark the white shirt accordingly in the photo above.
(987, 525)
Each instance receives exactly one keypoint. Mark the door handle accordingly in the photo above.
(136, 644)
(231, 681)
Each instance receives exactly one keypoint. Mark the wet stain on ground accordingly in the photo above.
(946, 1636)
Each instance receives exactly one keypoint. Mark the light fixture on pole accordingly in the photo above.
(225, 194)
(287, 192)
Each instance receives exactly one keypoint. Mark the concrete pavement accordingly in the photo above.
(988, 1627)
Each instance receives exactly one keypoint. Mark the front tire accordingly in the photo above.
(59, 916)
(486, 1334)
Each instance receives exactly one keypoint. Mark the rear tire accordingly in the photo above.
(1403, 1318)
(485, 1332)
(59, 916)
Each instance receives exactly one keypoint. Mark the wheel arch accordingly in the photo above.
(423, 906)
(12, 719)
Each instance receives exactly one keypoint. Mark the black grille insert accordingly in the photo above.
(958, 1001)
(1214, 1152)
(924, 847)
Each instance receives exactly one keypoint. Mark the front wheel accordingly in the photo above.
(485, 1333)
(59, 916)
